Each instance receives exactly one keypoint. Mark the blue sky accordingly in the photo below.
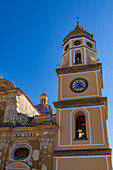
(31, 33)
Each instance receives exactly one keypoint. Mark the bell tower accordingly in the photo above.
(82, 140)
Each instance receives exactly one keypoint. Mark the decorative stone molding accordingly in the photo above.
(45, 141)
(3, 142)
(23, 119)
(46, 153)
(46, 145)
(20, 144)
(17, 165)
(90, 67)
(35, 155)
(82, 103)
(43, 167)
(82, 152)
(10, 111)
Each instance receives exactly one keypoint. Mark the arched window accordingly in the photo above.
(80, 129)
(78, 57)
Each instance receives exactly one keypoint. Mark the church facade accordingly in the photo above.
(75, 137)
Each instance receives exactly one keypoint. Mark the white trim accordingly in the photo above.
(70, 58)
(100, 144)
(102, 125)
(70, 43)
(89, 40)
(77, 73)
(78, 107)
(77, 38)
(83, 40)
(56, 163)
(85, 57)
(78, 96)
(59, 130)
(94, 156)
(81, 145)
(60, 86)
(71, 126)
(97, 83)
(74, 52)
(64, 61)
(69, 157)
(92, 43)
(107, 162)
(95, 55)
(70, 53)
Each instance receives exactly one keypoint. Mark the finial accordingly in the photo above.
(1, 77)
(77, 18)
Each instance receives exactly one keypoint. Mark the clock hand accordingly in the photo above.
(79, 84)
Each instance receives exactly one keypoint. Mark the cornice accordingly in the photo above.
(78, 36)
(81, 102)
(75, 69)
(82, 152)
(13, 91)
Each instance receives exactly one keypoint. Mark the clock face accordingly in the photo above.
(78, 85)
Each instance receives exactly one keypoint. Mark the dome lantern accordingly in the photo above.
(43, 98)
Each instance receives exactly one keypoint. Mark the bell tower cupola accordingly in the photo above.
(79, 48)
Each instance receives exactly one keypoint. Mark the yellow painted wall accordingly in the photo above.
(93, 90)
(96, 131)
(82, 163)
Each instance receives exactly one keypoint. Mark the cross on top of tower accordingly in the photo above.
(77, 18)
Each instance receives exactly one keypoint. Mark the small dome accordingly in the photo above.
(44, 108)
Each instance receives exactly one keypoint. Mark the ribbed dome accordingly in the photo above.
(44, 108)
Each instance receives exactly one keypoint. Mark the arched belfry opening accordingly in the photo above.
(80, 126)
(78, 57)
